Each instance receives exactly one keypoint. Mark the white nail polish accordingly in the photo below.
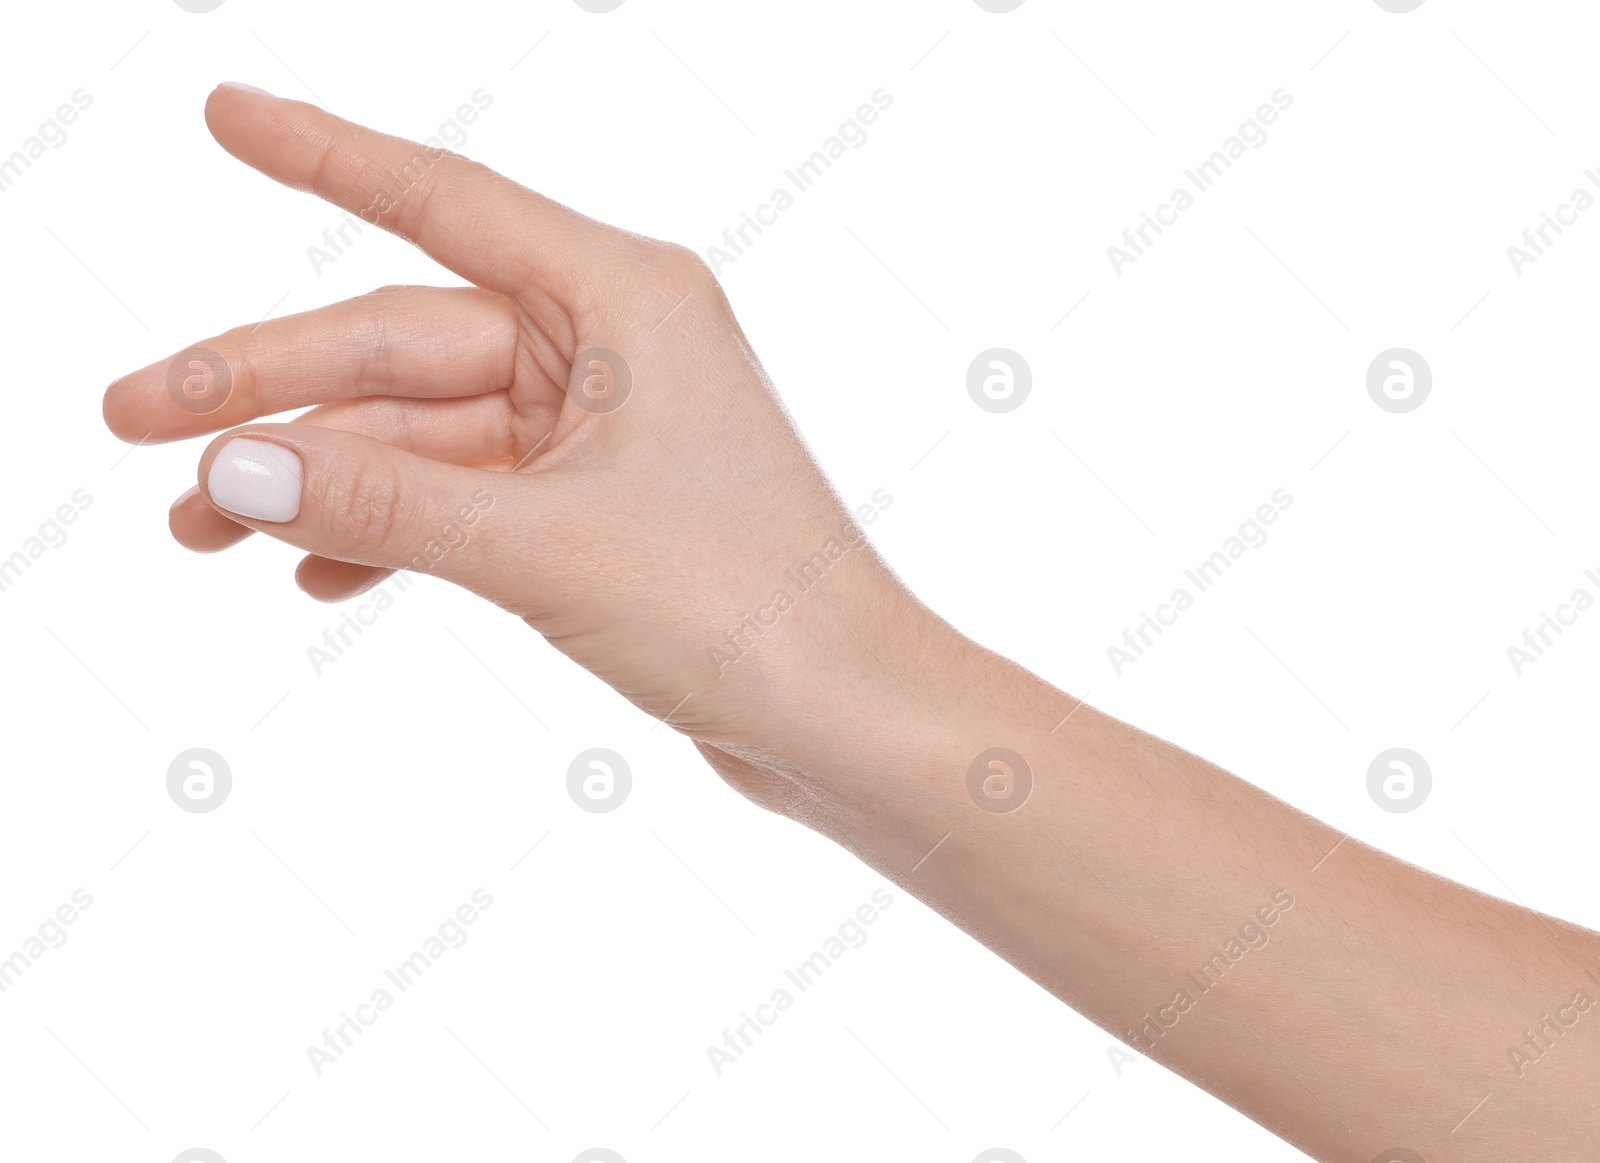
(257, 479)
(243, 88)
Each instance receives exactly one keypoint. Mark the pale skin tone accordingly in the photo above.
(1386, 1004)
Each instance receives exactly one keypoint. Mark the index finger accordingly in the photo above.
(480, 224)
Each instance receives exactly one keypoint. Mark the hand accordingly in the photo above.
(583, 436)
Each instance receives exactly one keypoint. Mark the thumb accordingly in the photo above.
(349, 497)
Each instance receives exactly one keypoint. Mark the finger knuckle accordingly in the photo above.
(652, 261)
(238, 368)
(329, 159)
(371, 505)
(685, 266)
(421, 171)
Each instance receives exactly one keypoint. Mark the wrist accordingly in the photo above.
(884, 717)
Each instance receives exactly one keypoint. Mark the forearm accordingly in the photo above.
(1346, 1000)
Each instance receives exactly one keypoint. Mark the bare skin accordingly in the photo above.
(1349, 1002)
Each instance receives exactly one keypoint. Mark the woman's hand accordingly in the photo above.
(583, 437)
(586, 438)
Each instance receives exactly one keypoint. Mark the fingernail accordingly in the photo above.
(193, 491)
(243, 88)
(256, 478)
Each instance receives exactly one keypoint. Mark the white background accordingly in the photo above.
(1228, 362)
